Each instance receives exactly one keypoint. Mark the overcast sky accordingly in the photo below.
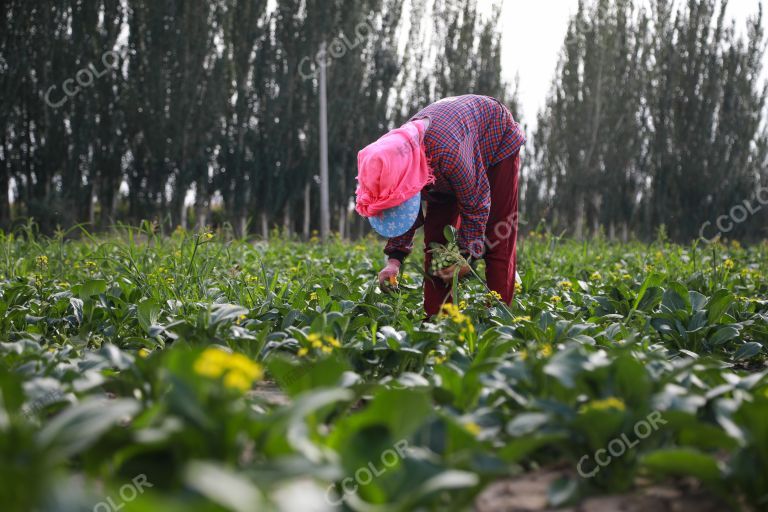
(533, 35)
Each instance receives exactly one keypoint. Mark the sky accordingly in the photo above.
(533, 33)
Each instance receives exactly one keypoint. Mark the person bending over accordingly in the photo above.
(461, 157)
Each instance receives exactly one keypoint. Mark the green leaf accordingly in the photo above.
(226, 313)
(526, 423)
(224, 487)
(82, 425)
(682, 462)
(719, 304)
(653, 280)
(748, 351)
(92, 287)
(723, 335)
(676, 298)
(449, 232)
(565, 365)
(562, 491)
(147, 313)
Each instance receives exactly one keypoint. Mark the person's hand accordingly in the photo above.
(446, 274)
(388, 276)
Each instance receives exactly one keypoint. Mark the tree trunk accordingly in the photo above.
(264, 226)
(243, 225)
(307, 210)
(5, 206)
(92, 200)
(287, 228)
(578, 230)
(183, 210)
(202, 205)
(342, 222)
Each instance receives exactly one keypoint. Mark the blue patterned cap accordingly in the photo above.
(396, 221)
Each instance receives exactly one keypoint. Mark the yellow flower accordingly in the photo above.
(330, 340)
(735, 245)
(41, 261)
(452, 311)
(546, 350)
(144, 353)
(595, 276)
(438, 358)
(556, 299)
(493, 294)
(473, 428)
(244, 365)
(303, 351)
(207, 236)
(238, 370)
(565, 284)
(462, 305)
(457, 317)
(241, 319)
(326, 349)
(604, 405)
(314, 340)
(313, 296)
(239, 381)
(518, 288)
(729, 264)
(211, 363)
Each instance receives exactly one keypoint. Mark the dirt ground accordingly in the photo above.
(528, 493)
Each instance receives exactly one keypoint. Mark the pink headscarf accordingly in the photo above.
(392, 170)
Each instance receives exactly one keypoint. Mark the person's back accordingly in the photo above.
(477, 121)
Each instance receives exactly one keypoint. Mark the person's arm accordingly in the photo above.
(473, 195)
(400, 247)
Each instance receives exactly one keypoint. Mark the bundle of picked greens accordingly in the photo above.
(445, 256)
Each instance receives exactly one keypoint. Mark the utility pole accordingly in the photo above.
(325, 211)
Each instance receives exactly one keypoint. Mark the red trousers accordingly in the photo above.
(501, 236)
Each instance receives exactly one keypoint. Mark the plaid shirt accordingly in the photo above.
(466, 136)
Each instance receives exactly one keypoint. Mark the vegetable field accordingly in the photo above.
(198, 372)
